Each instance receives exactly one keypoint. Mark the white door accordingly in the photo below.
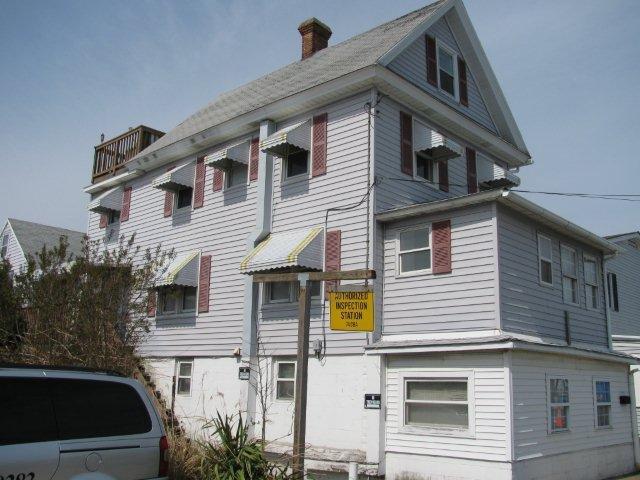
(105, 429)
(28, 445)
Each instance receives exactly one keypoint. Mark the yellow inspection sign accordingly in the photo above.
(351, 311)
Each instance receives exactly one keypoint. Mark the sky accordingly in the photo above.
(71, 70)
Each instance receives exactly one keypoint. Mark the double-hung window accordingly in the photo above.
(287, 292)
(612, 285)
(591, 282)
(602, 390)
(569, 260)
(447, 70)
(558, 404)
(425, 167)
(174, 300)
(414, 250)
(296, 164)
(237, 174)
(184, 371)
(285, 380)
(545, 260)
(436, 403)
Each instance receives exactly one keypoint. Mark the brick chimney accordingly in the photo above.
(315, 36)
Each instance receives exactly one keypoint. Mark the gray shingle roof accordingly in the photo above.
(33, 236)
(333, 62)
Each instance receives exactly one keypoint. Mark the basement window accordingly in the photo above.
(285, 380)
(602, 390)
(558, 405)
(184, 372)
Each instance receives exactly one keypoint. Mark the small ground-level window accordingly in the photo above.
(184, 196)
(184, 371)
(545, 258)
(569, 260)
(414, 251)
(297, 164)
(285, 380)
(602, 390)
(558, 404)
(591, 282)
(438, 403)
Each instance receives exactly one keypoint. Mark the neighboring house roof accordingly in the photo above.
(621, 237)
(509, 199)
(33, 236)
(330, 63)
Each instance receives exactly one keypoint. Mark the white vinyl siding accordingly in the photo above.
(625, 319)
(14, 253)
(411, 64)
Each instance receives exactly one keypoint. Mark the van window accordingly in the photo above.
(86, 409)
(26, 412)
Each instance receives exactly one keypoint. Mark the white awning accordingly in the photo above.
(288, 140)
(434, 144)
(225, 158)
(181, 270)
(298, 250)
(176, 179)
(111, 200)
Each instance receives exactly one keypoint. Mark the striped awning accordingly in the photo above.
(111, 200)
(225, 158)
(434, 144)
(181, 270)
(288, 140)
(296, 250)
(176, 179)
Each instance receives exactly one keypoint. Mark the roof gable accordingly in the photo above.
(33, 236)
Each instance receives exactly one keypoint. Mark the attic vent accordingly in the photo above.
(315, 36)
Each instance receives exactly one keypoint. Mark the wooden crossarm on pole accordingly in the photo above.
(315, 276)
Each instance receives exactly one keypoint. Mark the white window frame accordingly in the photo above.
(179, 362)
(541, 259)
(228, 175)
(587, 285)
(278, 379)
(179, 310)
(550, 429)
(435, 183)
(175, 200)
(285, 166)
(564, 274)
(441, 45)
(293, 294)
(412, 273)
(422, 375)
(602, 404)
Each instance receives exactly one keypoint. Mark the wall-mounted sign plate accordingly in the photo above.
(244, 373)
(372, 401)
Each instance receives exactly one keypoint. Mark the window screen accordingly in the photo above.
(87, 409)
(26, 411)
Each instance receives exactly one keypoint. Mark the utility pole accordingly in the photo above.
(302, 359)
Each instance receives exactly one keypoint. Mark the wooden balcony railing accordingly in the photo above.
(111, 155)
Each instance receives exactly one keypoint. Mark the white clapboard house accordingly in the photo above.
(20, 240)
(394, 149)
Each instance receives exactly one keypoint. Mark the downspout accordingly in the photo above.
(634, 419)
(264, 213)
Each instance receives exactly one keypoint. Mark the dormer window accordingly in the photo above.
(446, 71)
(297, 164)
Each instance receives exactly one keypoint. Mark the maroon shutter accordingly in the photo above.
(443, 175)
(151, 303)
(204, 283)
(103, 220)
(319, 163)
(198, 194)
(168, 200)
(254, 159)
(442, 246)
(432, 61)
(462, 82)
(333, 256)
(406, 143)
(217, 179)
(472, 173)
(126, 204)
